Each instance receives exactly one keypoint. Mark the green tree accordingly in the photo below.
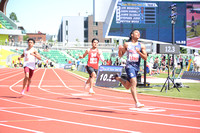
(25, 38)
(183, 50)
(13, 17)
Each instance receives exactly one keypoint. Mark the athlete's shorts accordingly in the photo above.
(90, 70)
(28, 70)
(131, 72)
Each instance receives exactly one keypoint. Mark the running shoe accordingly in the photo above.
(91, 91)
(115, 76)
(22, 93)
(139, 105)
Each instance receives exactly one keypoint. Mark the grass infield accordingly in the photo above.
(193, 92)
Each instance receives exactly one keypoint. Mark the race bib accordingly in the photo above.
(93, 60)
(27, 57)
(134, 57)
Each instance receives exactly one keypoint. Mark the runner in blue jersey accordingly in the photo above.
(135, 51)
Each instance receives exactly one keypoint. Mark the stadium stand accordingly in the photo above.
(6, 23)
(3, 57)
(56, 56)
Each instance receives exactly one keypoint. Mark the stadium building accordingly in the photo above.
(10, 32)
(80, 29)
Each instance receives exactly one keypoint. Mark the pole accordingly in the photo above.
(173, 42)
(145, 64)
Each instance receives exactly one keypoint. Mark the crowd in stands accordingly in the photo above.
(155, 63)
(189, 63)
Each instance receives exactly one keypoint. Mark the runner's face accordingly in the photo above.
(95, 43)
(136, 34)
(30, 43)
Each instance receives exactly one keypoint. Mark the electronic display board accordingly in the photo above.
(168, 49)
(151, 18)
(105, 73)
(136, 12)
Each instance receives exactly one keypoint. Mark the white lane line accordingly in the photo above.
(72, 111)
(17, 85)
(81, 94)
(101, 108)
(52, 86)
(108, 107)
(49, 86)
(96, 115)
(20, 128)
(17, 107)
(11, 76)
(64, 121)
(9, 72)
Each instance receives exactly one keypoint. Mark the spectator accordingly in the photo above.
(117, 63)
(70, 62)
(186, 62)
(163, 63)
(181, 61)
(155, 66)
(77, 63)
(178, 61)
(150, 64)
(196, 62)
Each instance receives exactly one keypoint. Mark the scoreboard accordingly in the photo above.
(134, 12)
(151, 18)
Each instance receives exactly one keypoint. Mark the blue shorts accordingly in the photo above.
(131, 72)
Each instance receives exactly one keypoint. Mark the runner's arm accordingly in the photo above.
(143, 54)
(101, 56)
(21, 56)
(122, 49)
(36, 54)
(83, 56)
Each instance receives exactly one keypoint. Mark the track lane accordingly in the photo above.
(67, 98)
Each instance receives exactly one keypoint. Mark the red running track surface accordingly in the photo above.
(57, 102)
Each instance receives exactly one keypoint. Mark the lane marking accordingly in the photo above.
(1, 108)
(103, 116)
(11, 76)
(148, 109)
(81, 94)
(9, 72)
(5, 121)
(46, 99)
(76, 123)
(25, 129)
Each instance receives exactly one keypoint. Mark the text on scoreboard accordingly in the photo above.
(136, 12)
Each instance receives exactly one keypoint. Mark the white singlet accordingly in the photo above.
(29, 60)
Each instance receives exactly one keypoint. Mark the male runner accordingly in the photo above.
(94, 54)
(135, 51)
(30, 54)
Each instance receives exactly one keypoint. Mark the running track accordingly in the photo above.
(57, 103)
(194, 42)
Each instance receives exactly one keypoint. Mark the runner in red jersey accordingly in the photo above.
(94, 55)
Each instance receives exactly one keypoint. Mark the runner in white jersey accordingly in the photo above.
(135, 51)
(30, 55)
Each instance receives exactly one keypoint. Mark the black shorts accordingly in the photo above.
(90, 70)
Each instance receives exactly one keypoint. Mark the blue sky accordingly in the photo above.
(46, 15)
